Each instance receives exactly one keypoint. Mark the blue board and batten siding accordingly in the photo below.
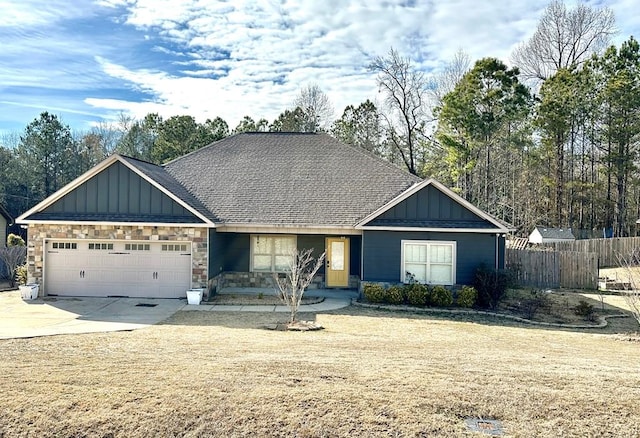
(383, 253)
(120, 195)
(430, 207)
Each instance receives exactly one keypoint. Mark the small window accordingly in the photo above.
(137, 247)
(174, 247)
(101, 246)
(64, 245)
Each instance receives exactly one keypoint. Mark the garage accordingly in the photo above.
(103, 268)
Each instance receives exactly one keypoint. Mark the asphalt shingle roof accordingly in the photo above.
(286, 179)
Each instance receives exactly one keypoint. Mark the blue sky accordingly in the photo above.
(90, 61)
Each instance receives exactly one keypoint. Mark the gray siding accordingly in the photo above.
(382, 253)
(430, 207)
(3, 231)
(117, 194)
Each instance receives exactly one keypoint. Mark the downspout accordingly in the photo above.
(361, 266)
(497, 256)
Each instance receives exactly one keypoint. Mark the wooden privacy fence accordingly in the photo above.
(608, 250)
(551, 269)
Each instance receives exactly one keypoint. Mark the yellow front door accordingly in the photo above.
(337, 262)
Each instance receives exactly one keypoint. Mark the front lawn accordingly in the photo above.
(369, 373)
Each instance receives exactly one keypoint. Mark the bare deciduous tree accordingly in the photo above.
(631, 264)
(564, 39)
(406, 112)
(317, 108)
(290, 287)
(446, 80)
(12, 257)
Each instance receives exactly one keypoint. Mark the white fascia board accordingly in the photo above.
(118, 224)
(438, 230)
(444, 189)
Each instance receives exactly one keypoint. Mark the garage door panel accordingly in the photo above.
(138, 270)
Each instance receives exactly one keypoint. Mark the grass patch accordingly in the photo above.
(369, 373)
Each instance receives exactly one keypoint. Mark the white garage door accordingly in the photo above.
(102, 268)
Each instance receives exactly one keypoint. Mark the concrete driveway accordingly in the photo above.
(62, 315)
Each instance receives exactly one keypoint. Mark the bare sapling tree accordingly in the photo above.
(291, 286)
(631, 265)
(12, 257)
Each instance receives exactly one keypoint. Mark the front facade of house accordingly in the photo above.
(229, 214)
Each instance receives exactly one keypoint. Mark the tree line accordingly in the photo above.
(551, 140)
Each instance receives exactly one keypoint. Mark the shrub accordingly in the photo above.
(15, 240)
(441, 296)
(21, 274)
(491, 285)
(394, 295)
(585, 310)
(467, 297)
(417, 294)
(374, 293)
(538, 299)
(12, 257)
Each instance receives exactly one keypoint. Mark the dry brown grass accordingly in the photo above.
(369, 373)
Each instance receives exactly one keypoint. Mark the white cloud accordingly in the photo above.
(250, 57)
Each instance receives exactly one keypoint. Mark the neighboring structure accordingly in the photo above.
(5, 221)
(229, 214)
(542, 235)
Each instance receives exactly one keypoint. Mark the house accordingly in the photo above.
(5, 221)
(229, 214)
(541, 235)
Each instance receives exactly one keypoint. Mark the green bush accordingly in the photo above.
(417, 294)
(394, 295)
(585, 310)
(21, 274)
(491, 285)
(441, 296)
(467, 296)
(15, 240)
(374, 293)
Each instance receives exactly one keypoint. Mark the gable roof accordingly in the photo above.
(555, 233)
(288, 179)
(154, 175)
(495, 225)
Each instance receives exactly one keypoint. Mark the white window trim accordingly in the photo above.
(454, 257)
(253, 236)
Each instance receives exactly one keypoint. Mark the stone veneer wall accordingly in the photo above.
(263, 280)
(38, 232)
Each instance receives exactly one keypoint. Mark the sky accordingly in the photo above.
(89, 62)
